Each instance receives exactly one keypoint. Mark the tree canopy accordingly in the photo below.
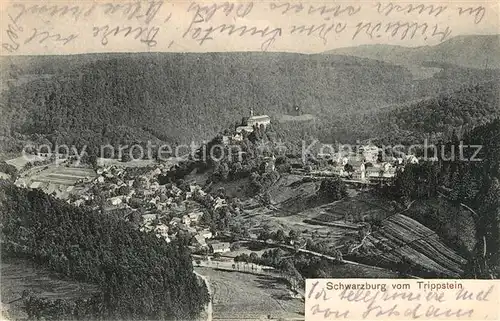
(140, 276)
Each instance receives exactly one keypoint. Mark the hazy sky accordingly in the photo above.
(50, 27)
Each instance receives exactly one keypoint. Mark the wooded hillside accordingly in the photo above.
(475, 51)
(409, 123)
(140, 276)
(117, 98)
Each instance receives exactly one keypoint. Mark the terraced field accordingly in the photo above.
(401, 236)
(63, 175)
(59, 179)
(401, 241)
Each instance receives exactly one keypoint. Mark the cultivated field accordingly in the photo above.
(327, 221)
(243, 296)
(291, 191)
(57, 179)
(400, 239)
(289, 118)
(401, 236)
(63, 175)
(243, 250)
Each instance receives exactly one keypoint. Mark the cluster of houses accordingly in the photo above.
(165, 210)
(188, 223)
(187, 219)
(119, 187)
(364, 166)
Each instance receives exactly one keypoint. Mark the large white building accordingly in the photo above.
(258, 120)
(252, 121)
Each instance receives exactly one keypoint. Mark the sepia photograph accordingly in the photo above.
(181, 160)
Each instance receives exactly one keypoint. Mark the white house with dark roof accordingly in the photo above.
(148, 218)
(162, 231)
(369, 152)
(240, 129)
(79, 202)
(36, 185)
(220, 247)
(186, 220)
(175, 221)
(117, 200)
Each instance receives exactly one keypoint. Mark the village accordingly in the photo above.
(166, 210)
(363, 166)
(169, 211)
(178, 184)
(227, 233)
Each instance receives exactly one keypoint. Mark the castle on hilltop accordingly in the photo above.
(249, 123)
(258, 120)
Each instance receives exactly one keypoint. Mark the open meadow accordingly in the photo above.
(132, 163)
(21, 161)
(245, 296)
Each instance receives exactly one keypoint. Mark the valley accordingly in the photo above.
(210, 186)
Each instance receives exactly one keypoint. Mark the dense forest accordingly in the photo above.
(466, 108)
(124, 99)
(141, 277)
(434, 118)
(176, 97)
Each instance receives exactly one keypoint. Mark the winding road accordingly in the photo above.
(328, 257)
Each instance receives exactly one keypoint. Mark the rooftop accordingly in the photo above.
(220, 246)
(259, 117)
(200, 239)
